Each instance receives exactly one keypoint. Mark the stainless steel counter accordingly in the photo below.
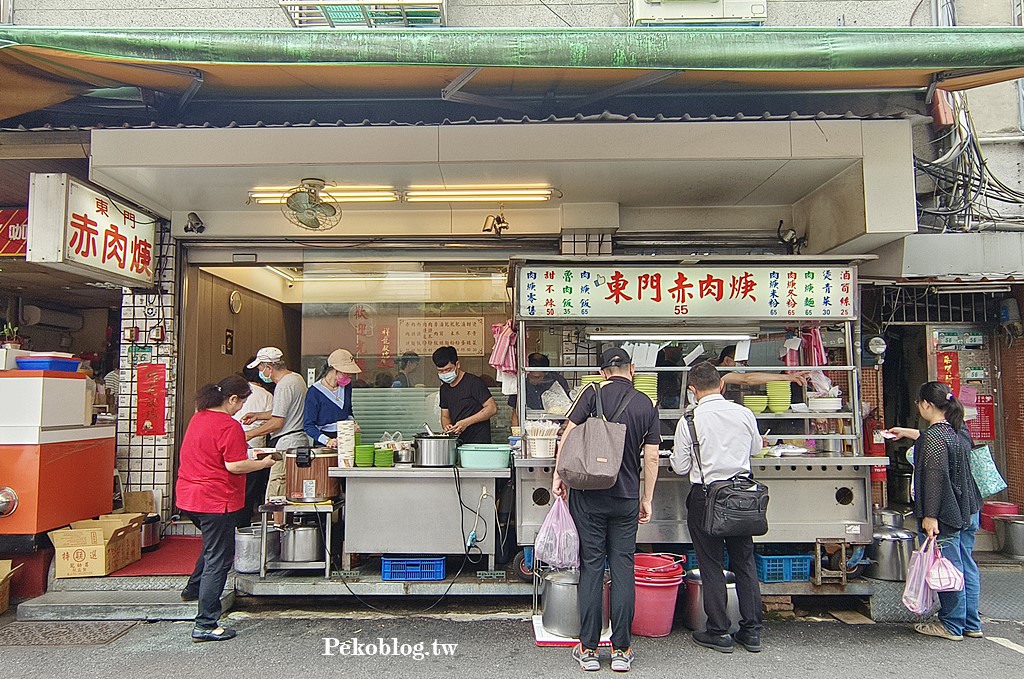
(811, 496)
(417, 510)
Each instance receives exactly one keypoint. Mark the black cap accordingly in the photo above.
(613, 357)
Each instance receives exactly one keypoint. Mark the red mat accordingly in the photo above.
(176, 555)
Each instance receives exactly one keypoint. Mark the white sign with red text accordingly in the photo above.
(87, 231)
(636, 291)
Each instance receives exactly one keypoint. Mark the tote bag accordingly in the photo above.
(984, 471)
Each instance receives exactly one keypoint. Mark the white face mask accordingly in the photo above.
(448, 377)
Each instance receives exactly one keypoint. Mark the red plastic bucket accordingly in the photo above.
(657, 579)
(658, 566)
(993, 508)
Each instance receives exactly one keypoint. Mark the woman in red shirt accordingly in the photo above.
(211, 490)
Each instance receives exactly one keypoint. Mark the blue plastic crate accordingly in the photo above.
(791, 568)
(691, 559)
(64, 365)
(411, 569)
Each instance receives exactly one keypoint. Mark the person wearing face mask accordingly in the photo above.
(466, 404)
(329, 400)
(285, 418)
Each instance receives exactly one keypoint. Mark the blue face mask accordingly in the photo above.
(264, 378)
(448, 378)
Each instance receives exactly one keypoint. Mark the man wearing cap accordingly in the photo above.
(607, 520)
(329, 400)
(283, 422)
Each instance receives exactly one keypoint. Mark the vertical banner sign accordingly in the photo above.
(387, 337)
(947, 364)
(983, 427)
(13, 232)
(151, 411)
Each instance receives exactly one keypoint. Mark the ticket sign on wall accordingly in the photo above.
(80, 229)
(809, 293)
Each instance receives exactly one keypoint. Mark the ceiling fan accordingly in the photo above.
(305, 206)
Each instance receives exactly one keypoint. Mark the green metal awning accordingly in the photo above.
(40, 67)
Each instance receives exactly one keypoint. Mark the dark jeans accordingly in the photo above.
(255, 493)
(710, 556)
(959, 610)
(607, 528)
(211, 571)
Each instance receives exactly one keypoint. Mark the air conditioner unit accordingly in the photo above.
(701, 12)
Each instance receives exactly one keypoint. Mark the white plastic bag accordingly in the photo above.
(943, 576)
(555, 400)
(918, 597)
(558, 543)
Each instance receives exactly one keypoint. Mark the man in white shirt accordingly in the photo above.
(727, 436)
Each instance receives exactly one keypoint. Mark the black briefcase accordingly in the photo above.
(737, 507)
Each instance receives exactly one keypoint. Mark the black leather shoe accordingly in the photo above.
(189, 595)
(216, 634)
(721, 643)
(748, 640)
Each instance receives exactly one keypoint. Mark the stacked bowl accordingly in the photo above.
(647, 383)
(365, 455)
(384, 457)
(779, 396)
(756, 402)
(824, 405)
(587, 379)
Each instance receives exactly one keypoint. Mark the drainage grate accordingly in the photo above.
(62, 633)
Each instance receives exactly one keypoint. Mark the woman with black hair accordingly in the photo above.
(211, 490)
(947, 502)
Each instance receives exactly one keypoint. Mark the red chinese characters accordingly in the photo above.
(649, 282)
(712, 287)
(617, 286)
(83, 240)
(115, 246)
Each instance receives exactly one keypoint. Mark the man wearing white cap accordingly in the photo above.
(284, 420)
(329, 400)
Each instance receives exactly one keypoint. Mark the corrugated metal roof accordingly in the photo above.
(605, 117)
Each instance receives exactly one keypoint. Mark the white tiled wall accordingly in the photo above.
(147, 462)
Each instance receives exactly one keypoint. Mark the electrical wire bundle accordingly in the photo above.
(965, 186)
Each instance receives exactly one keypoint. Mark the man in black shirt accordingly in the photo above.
(466, 403)
(607, 520)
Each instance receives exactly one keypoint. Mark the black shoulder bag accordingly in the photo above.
(736, 507)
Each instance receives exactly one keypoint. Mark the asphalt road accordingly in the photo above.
(285, 644)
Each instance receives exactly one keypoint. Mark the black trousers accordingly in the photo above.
(607, 528)
(255, 493)
(710, 556)
(211, 571)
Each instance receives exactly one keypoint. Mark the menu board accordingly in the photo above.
(424, 335)
(699, 291)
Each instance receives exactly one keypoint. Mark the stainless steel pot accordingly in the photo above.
(301, 543)
(560, 611)
(696, 618)
(437, 450)
(151, 532)
(890, 552)
(404, 453)
(248, 545)
(1010, 535)
(889, 517)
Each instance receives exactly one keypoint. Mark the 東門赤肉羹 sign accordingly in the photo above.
(86, 231)
(632, 291)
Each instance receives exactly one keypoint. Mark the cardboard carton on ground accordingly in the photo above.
(6, 572)
(98, 546)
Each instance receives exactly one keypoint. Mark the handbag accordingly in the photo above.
(735, 507)
(984, 471)
(591, 454)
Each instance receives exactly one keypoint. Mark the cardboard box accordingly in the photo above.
(142, 501)
(6, 572)
(97, 547)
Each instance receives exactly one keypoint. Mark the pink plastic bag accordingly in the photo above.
(918, 597)
(943, 576)
(503, 355)
(558, 543)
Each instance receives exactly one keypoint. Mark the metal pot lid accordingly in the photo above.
(564, 577)
(444, 437)
(1011, 518)
(890, 533)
